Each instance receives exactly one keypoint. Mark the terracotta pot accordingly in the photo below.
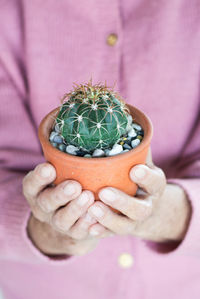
(96, 173)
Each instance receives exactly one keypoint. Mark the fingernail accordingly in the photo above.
(88, 218)
(97, 211)
(93, 232)
(69, 189)
(138, 173)
(82, 200)
(108, 194)
(45, 172)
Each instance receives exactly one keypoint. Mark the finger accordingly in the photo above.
(135, 209)
(79, 230)
(52, 198)
(99, 231)
(64, 218)
(152, 180)
(36, 180)
(116, 223)
(141, 194)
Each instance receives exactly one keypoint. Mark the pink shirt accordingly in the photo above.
(45, 46)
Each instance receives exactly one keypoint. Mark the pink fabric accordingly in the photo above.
(45, 46)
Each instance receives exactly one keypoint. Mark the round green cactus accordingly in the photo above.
(92, 116)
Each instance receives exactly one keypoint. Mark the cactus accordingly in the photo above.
(92, 116)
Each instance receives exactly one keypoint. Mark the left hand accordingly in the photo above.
(159, 211)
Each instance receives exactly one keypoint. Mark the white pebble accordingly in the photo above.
(136, 126)
(107, 151)
(129, 123)
(57, 128)
(62, 147)
(98, 153)
(128, 128)
(135, 143)
(58, 139)
(130, 119)
(126, 146)
(54, 144)
(52, 135)
(87, 156)
(71, 149)
(117, 149)
(132, 133)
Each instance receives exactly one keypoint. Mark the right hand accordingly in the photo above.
(59, 223)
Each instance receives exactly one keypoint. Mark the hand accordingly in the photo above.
(159, 212)
(59, 222)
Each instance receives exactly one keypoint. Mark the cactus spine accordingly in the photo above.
(92, 116)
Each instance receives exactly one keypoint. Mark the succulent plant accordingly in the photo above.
(92, 116)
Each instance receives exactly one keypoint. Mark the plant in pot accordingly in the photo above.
(95, 138)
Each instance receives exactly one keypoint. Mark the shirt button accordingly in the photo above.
(125, 260)
(112, 39)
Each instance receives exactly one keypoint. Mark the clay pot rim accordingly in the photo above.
(62, 155)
